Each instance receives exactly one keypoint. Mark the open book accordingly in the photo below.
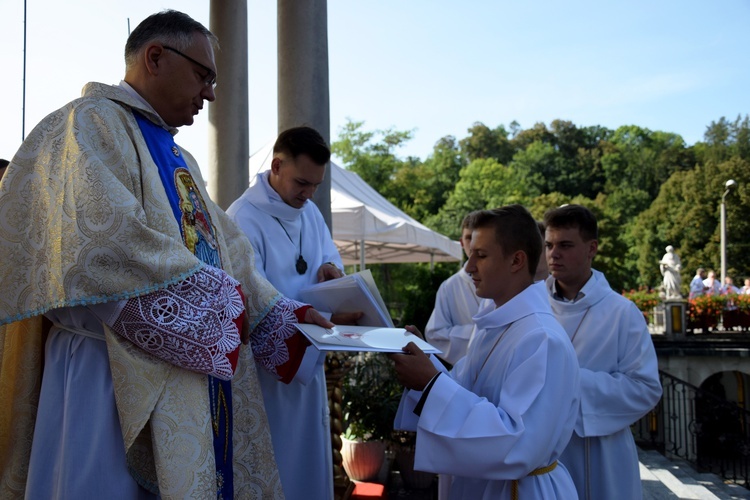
(351, 293)
(362, 338)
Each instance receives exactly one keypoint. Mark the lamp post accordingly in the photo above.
(729, 184)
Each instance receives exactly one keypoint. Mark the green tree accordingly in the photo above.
(545, 167)
(685, 215)
(483, 142)
(562, 158)
(483, 183)
(724, 139)
(421, 188)
(375, 161)
(538, 133)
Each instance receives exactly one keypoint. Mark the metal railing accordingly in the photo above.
(695, 425)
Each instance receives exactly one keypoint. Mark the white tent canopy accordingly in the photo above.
(369, 228)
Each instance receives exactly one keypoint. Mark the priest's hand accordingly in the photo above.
(314, 317)
(413, 368)
(329, 271)
(346, 318)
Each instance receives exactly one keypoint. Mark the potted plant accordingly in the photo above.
(411, 478)
(371, 394)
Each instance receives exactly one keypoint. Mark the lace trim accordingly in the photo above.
(268, 339)
(189, 324)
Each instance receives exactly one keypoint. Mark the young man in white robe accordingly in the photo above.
(619, 371)
(130, 290)
(293, 249)
(450, 325)
(498, 422)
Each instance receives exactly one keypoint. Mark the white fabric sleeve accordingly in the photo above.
(445, 331)
(406, 419)
(612, 400)
(189, 324)
(312, 360)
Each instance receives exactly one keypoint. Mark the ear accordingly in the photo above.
(275, 165)
(593, 247)
(519, 262)
(152, 55)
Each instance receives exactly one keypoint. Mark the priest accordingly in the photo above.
(126, 294)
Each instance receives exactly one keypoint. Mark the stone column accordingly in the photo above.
(303, 76)
(228, 131)
(302, 33)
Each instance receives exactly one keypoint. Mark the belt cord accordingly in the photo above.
(536, 472)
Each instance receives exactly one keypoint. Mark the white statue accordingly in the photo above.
(670, 267)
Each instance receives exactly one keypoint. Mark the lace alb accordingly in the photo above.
(189, 324)
(268, 339)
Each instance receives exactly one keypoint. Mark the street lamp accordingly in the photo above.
(729, 184)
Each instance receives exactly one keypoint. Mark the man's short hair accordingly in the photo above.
(573, 216)
(466, 223)
(303, 141)
(169, 27)
(542, 229)
(515, 229)
(699, 271)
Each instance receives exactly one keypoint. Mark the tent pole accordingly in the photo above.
(432, 262)
(362, 256)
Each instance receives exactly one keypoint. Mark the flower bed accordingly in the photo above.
(737, 312)
(704, 311)
(646, 299)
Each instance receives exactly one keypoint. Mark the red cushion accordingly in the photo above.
(363, 491)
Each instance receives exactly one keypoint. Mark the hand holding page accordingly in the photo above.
(362, 338)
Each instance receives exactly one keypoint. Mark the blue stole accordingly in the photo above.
(199, 235)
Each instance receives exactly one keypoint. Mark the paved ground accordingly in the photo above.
(662, 479)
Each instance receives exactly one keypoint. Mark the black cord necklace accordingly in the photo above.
(300, 265)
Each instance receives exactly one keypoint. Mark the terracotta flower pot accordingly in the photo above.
(412, 479)
(362, 459)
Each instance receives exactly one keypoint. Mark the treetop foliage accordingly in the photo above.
(648, 189)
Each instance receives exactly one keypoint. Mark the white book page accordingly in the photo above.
(349, 294)
(362, 338)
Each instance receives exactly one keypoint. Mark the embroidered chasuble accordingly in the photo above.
(99, 206)
(198, 234)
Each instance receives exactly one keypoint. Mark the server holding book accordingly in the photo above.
(293, 249)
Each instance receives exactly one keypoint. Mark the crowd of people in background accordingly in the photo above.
(706, 283)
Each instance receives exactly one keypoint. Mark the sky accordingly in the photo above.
(434, 67)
